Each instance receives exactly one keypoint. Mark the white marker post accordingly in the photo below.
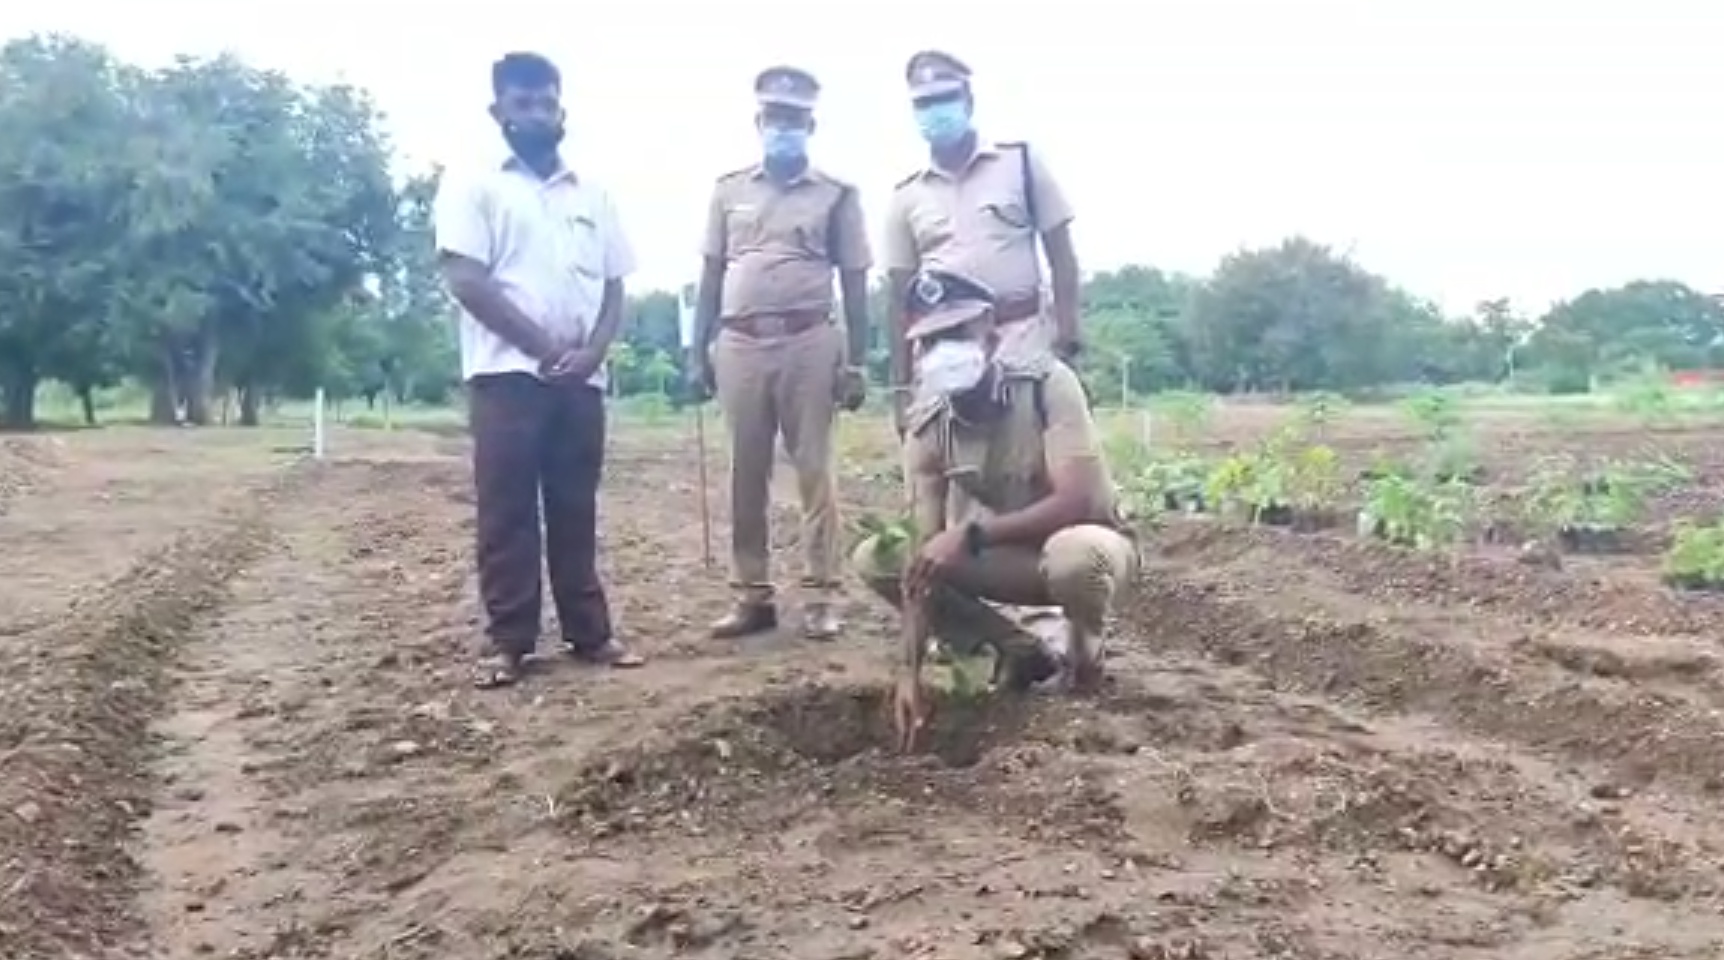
(685, 317)
(317, 425)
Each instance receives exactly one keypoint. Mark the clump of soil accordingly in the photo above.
(764, 760)
(1301, 519)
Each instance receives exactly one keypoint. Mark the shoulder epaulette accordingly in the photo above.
(907, 180)
(740, 171)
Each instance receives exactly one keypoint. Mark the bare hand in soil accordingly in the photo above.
(910, 710)
(938, 554)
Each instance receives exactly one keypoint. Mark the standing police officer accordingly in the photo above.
(978, 209)
(775, 232)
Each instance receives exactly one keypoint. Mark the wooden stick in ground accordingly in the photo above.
(700, 461)
(909, 718)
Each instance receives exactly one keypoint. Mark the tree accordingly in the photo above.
(61, 118)
(1292, 317)
(291, 207)
(1657, 321)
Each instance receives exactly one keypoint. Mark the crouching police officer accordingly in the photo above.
(1012, 498)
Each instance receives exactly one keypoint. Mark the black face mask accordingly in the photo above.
(533, 142)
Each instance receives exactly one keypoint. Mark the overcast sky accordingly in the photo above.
(1467, 149)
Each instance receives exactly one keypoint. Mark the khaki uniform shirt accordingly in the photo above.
(1007, 464)
(976, 223)
(780, 242)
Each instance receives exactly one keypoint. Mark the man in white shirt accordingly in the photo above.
(536, 258)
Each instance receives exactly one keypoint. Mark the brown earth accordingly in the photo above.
(234, 723)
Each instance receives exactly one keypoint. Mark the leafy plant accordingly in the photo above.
(1280, 475)
(1436, 412)
(1318, 410)
(965, 677)
(1173, 483)
(1452, 458)
(892, 538)
(1314, 480)
(1232, 485)
(1696, 556)
(1561, 497)
(1419, 513)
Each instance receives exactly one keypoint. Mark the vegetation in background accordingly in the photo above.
(210, 233)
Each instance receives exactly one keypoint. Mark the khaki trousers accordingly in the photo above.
(772, 387)
(1080, 569)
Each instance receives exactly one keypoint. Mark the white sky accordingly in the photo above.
(1465, 148)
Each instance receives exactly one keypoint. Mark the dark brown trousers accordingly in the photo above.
(532, 438)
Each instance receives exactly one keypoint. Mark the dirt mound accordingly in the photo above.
(1404, 664)
(765, 760)
(80, 695)
(1584, 592)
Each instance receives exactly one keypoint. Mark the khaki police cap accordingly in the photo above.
(787, 87)
(939, 300)
(935, 73)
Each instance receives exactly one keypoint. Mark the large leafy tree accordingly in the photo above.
(63, 116)
(203, 227)
(1658, 321)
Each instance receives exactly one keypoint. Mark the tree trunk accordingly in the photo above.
(87, 398)
(202, 386)
(165, 392)
(248, 406)
(18, 402)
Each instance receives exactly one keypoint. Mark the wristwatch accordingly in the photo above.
(975, 539)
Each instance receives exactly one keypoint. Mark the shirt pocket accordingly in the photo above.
(1011, 215)
(742, 228)
(582, 245)
(932, 228)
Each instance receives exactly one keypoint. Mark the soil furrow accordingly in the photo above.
(75, 734)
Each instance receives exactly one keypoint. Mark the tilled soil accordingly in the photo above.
(1308, 747)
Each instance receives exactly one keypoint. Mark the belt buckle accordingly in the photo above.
(771, 325)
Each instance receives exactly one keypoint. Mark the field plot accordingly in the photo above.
(235, 720)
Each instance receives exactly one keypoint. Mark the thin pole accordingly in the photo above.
(705, 510)
(317, 425)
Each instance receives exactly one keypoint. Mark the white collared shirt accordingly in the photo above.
(551, 245)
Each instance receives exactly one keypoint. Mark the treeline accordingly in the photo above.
(1299, 316)
(211, 230)
(202, 228)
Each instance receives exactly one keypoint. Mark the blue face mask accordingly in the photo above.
(784, 143)
(943, 124)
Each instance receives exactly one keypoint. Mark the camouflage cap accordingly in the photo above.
(787, 87)
(934, 73)
(938, 300)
